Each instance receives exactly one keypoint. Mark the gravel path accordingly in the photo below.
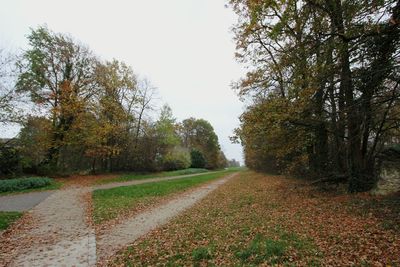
(23, 202)
(58, 233)
(111, 241)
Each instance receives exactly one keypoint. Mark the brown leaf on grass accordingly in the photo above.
(313, 227)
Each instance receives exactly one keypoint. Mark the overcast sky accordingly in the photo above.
(184, 47)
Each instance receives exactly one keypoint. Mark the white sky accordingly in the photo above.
(184, 47)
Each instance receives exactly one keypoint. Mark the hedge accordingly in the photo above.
(11, 185)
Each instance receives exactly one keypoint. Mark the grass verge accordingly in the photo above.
(141, 176)
(8, 217)
(109, 203)
(258, 219)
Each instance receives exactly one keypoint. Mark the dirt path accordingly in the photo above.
(127, 232)
(58, 233)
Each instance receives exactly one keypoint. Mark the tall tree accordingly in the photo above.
(58, 73)
(199, 134)
(117, 96)
(323, 79)
(166, 130)
(146, 96)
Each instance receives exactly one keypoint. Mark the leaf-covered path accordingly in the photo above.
(58, 231)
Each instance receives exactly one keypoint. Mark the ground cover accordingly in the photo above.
(272, 220)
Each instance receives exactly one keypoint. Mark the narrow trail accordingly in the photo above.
(59, 233)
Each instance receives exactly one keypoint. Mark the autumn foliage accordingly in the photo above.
(323, 86)
(91, 115)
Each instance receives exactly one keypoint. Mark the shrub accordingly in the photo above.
(176, 160)
(10, 160)
(198, 160)
(395, 147)
(12, 185)
(34, 141)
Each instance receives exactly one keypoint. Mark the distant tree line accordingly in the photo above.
(91, 115)
(233, 163)
(322, 86)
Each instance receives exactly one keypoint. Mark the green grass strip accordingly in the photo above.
(8, 217)
(108, 203)
(141, 176)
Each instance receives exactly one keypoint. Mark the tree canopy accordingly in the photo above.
(323, 82)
